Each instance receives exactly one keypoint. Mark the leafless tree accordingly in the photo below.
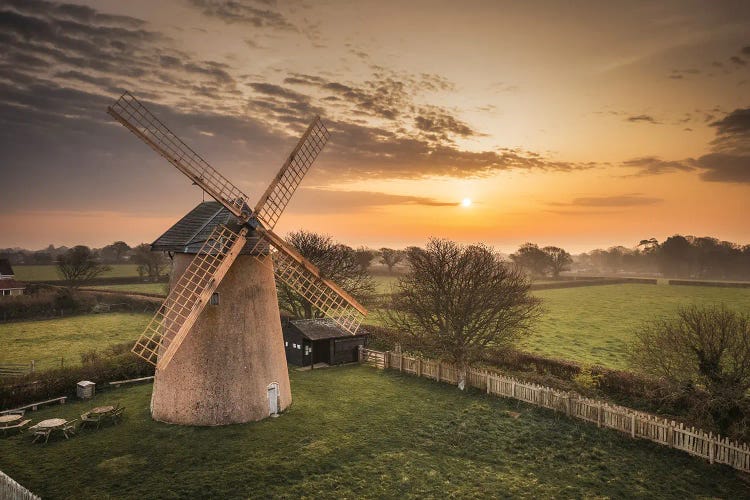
(335, 261)
(79, 265)
(150, 264)
(391, 257)
(558, 260)
(704, 347)
(456, 301)
(364, 257)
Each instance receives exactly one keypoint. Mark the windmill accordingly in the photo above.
(216, 340)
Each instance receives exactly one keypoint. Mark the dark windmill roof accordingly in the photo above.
(190, 232)
(320, 329)
(5, 268)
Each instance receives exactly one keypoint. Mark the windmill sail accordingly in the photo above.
(172, 322)
(139, 120)
(301, 275)
(277, 196)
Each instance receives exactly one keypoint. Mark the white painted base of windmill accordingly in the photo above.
(232, 364)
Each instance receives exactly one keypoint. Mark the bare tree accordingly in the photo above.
(116, 251)
(152, 265)
(335, 261)
(79, 265)
(364, 257)
(704, 347)
(558, 260)
(391, 257)
(458, 300)
(530, 257)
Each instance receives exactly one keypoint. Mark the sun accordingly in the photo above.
(466, 202)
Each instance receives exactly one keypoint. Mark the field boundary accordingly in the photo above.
(634, 423)
(9, 488)
(719, 284)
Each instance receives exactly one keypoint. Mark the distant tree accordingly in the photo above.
(335, 261)
(364, 257)
(705, 347)
(530, 257)
(79, 265)
(42, 257)
(559, 260)
(675, 256)
(116, 251)
(152, 265)
(455, 301)
(391, 257)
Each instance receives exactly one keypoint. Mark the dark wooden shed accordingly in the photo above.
(310, 341)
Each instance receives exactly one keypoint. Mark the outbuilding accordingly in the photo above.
(8, 284)
(311, 341)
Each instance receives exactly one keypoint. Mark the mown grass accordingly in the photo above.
(49, 272)
(594, 324)
(355, 432)
(384, 284)
(49, 340)
(158, 288)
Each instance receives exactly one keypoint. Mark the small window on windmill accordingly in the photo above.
(214, 299)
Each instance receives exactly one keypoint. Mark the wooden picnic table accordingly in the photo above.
(101, 409)
(7, 419)
(50, 423)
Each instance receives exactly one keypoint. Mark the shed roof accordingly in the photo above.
(320, 329)
(11, 284)
(189, 233)
(5, 267)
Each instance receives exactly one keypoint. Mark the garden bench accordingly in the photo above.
(118, 383)
(18, 426)
(34, 406)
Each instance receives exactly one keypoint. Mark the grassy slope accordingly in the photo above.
(52, 339)
(356, 432)
(49, 272)
(160, 288)
(594, 324)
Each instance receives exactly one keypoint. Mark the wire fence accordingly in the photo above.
(634, 423)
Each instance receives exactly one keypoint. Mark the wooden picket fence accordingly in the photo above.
(636, 424)
(11, 490)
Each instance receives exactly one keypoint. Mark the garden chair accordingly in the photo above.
(19, 426)
(42, 433)
(69, 427)
(91, 418)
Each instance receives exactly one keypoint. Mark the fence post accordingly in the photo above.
(387, 360)
(513, 389)
(359, 353)
(632, 425)
(569, 406)
(599, 416)
(419, 367)
(401, 362)
(487, 381)
(710, 448)
(439, 365)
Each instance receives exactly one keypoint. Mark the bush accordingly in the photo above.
(100, 368)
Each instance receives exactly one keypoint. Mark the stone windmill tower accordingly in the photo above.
(216, 340)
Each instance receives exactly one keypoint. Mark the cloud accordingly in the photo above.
(738, 61)
(260, 13)
(719, 167)
(317, 200)
(642, 118)
(746, 50)
(653, 165)
(436, 121)
(625, 200)
(733, 133)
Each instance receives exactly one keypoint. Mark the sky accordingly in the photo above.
(577, 124)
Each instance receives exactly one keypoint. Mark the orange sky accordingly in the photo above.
(581, 125)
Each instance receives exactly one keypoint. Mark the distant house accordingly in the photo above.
(8, 283)
(310, 341)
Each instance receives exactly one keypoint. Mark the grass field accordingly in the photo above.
(384, 284)
(159, 288)
(594, 324)
(355, 432)
(49, 272)
(49, 340)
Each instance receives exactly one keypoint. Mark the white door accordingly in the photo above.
(273, 398)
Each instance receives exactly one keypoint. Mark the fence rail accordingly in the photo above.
(634, 423)
(11, 490)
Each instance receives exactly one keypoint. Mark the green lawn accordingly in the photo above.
(356, 432)
(384, 284)
(159, 288)
(49, 272)
(49, 340)
(594, 323)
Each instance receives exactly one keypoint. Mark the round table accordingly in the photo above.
(102, 409)
(50, 422)
(6, 419)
